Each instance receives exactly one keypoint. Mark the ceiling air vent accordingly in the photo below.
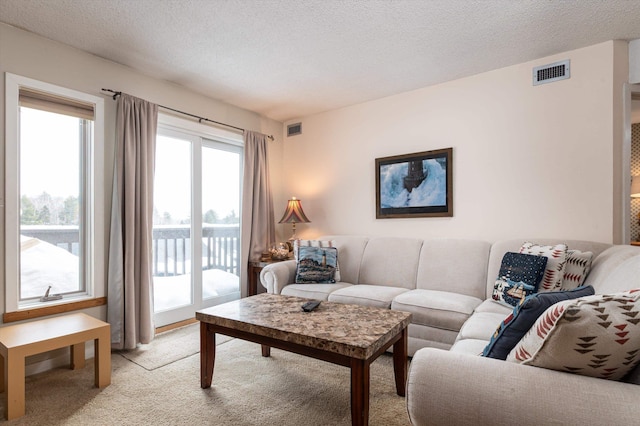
(294, 129)
(552, 72)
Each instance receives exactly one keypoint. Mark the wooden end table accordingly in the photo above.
(21, 340)
(349, 335)
(255, 267)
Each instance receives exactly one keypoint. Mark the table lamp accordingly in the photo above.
(294, 214)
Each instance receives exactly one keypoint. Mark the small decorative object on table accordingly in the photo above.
(279, 251)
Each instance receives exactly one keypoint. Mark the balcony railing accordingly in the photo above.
(171, 246)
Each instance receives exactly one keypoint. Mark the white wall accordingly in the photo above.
(529, 161)
(29, 55)
(634, 61)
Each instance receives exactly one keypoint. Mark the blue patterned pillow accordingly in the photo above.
(316, 265)
(519, 276)
(516, 325)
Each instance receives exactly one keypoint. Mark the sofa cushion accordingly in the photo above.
(615, 270)
(390, 262)
(454, 265)
(316, 265)
(576, 269)
(313, 291)
(480, 326)
(519, 276)
(350, 250)
(432, 336)
(490, 305)
(596, 336)
(434, 308)
(469, 346)
(368, 295)
(316, 243)
(517, 323)
(556, 258)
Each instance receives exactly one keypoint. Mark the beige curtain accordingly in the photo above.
(130, 293)
(258, 226)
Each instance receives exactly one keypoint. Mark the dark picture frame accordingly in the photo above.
(415, 185)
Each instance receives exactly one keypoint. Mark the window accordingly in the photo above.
(54, 199)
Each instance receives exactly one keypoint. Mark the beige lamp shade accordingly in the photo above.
(635, 186)
(294, 214)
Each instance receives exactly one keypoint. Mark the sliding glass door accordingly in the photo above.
(196, 224)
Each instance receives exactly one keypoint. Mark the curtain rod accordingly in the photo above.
(200, 119)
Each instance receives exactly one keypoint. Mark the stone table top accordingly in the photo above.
(352, 330)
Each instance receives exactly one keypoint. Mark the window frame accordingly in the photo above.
(94, 206)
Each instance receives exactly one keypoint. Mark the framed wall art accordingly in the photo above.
(415, 185)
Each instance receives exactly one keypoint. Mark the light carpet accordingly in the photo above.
(169, 347)
(284, 389)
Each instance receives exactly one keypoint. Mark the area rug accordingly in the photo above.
(284, 389)
(169, 347)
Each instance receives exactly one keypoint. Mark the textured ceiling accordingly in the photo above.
(291, 58)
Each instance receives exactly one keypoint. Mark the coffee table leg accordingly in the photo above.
(359, 392)
(400, 352)
(207, 354)
(266, 350)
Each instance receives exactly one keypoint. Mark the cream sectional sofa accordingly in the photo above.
(447, 284)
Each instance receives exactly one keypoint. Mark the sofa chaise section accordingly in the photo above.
(502, 391)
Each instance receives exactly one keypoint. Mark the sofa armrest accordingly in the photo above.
(445, 388)
(276, 276)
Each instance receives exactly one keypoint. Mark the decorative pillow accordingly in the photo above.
(557, 256)
(576, 269)
(510, 292)
(519, 276)
(516, 325)
(315, 243)
(596, 336)
(316, 265)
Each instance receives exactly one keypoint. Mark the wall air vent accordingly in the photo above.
(294, 129)
(552, 72)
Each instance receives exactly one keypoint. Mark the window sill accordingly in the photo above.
(37, 312)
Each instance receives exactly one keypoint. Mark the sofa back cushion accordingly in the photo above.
(391, 262)
(499, 248)
(604, 275)
(350, 249)
(458, 266)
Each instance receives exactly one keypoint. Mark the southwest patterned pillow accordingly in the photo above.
(557, 257)
(517, 323)
(596, 336)
(519, 276)
(315, 243)
(316, 265)
(576, 269)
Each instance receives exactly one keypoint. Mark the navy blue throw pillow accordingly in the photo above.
(519, 276)
(526, 268)
(516, 325)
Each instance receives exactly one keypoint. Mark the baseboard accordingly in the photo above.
(176, 325)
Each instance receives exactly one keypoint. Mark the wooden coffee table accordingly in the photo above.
(349, 335)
